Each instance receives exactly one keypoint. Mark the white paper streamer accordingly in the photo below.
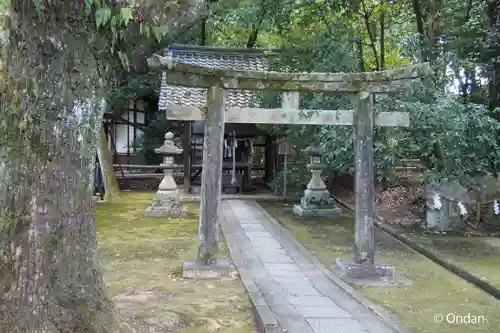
(437, 202)
(496, 207)
(463, 211)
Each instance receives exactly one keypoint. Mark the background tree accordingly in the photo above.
(455, 36)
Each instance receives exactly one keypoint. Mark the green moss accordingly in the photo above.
(142, 259)
(434, 289)
(471, 253)
(488, 268)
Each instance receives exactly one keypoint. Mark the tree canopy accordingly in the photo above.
(453, 115)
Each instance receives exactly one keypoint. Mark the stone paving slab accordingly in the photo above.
(268, 243)
(299, 290)
(310, 301)
(266, 251)
(270, 258)
(281, 267)
(279, 273)
(258, 234)
(322, 325)
(289, 291)
(322, 312)
(292, 280)
(252, 227)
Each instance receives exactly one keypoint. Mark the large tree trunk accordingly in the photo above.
(111, 188)
(50, 119)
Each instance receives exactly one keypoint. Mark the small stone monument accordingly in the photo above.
(167, 201)
(316, 200)
(444, 206)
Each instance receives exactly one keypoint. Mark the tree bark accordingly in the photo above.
(382, 36)
(255, 27)
(112, 190)
(360, 55)
(494, 49)
(366, 17)
(419, 19)
(434, 30)
(50, 117)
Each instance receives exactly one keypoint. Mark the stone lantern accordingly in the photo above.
(167, 201)
(316, 200)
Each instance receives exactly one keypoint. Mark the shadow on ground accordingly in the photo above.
(434, 292)
(142, 259)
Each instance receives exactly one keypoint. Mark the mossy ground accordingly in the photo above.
(434, 289)
(472, 253)
(142, 259)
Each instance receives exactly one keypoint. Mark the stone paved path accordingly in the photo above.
(291, 293)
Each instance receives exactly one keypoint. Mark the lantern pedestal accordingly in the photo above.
(320, 211)
(166, 203)
(316, 200)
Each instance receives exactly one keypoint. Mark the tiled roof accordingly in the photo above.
(215, 57)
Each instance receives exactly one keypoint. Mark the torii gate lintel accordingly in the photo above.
(190, 75)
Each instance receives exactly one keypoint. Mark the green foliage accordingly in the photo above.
(297, 176)
(334, 36)
(464, 132)
(102, 16)
(137, 85)
(134, 26)
(459, 128)
(153, 137)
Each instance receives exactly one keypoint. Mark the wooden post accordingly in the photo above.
(285, 157)
(284, 149)
(364, 237)
(211, 182)
(289, 100)
(233, 152)
(248, 176)
(268, 159)
(187, 156)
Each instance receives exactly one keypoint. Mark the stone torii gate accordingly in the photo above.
(215, 114)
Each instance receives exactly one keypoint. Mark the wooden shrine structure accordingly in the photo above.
(238, 162)
(219, 82)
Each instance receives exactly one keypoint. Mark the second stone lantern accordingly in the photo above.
(166, 201)
(316, 200)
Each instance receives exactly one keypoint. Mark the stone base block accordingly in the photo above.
(231, 189)
(165, 212)
(191, 269)
(439, 220)
(250, 189)
(308, 212)
(353, 270)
